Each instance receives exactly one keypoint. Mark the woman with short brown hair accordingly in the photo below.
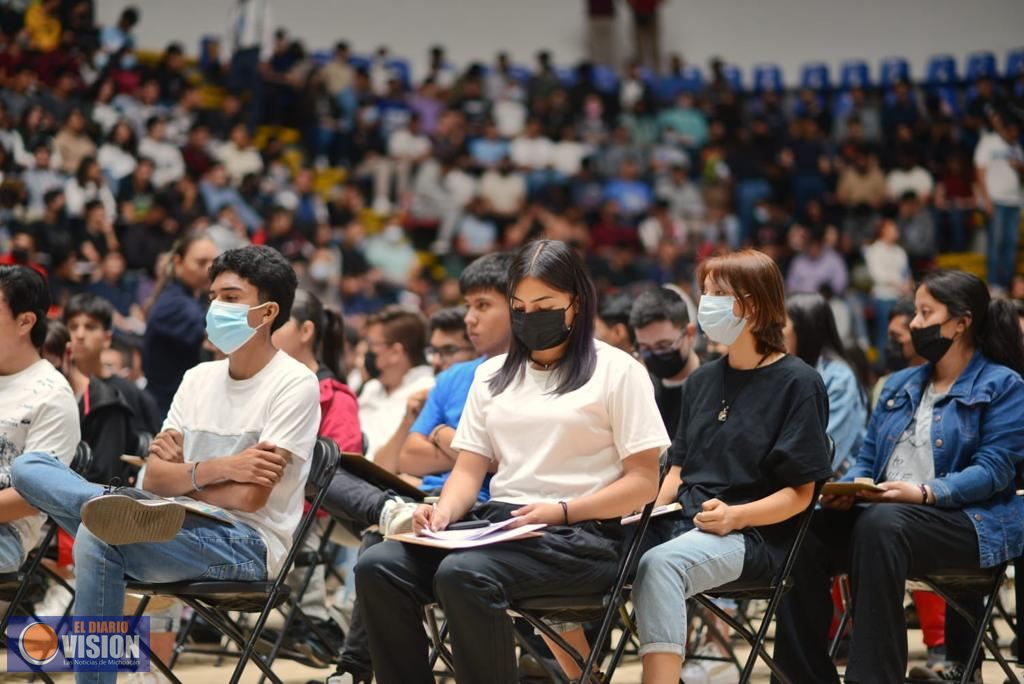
(751, 446)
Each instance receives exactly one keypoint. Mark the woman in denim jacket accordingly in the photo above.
(945, 443)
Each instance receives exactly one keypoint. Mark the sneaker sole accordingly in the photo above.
(118, 519)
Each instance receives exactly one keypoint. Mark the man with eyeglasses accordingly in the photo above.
(449, 342)
(665, 339)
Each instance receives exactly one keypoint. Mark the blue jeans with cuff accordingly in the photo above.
(674, 572)
(203, 549)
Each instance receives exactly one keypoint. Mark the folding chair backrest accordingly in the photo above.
(324, 462)
(82, 460)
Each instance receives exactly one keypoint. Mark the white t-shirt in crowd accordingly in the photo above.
(531, 153)
(552, 447)
(916, 180)
(504, 192)
(889, 269)
(38, 413)
(1001, 180)
(567, 156)
(220, 416)
(404, 144)
(381, 412)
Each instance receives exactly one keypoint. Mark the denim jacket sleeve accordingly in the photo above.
(846, 410)
(864, 466)
(994, 464)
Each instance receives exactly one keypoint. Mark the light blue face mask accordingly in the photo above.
(719, 323)
(227, 325)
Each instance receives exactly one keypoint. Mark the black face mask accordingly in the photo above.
(894, 360)
(540, 330)
(664, 365)
(929, 342)
(370, 364)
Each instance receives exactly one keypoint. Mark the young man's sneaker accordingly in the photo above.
(343, 676)
(131, 516)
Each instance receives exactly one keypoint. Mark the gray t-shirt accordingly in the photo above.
(912, 459)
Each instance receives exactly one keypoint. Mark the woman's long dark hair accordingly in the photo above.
(815, 328)
(994, 327)
(328, 330)
(559, 267)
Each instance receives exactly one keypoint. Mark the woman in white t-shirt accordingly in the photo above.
(571, 430)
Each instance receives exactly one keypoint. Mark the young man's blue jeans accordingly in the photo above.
(11, 552)
(202, 550)
(1003, 236)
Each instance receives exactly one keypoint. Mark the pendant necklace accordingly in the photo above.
(723, 413)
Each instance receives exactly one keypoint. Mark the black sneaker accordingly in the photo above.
(948, 672)
(130, 516)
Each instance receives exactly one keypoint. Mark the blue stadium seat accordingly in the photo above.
(894, 69)
(981, 64)
(941, 70)
(321, 57)
(520, 73)
(949, 99)
(734, 76)
(359, 61)
(605, 78)
(400, 68)
(767, 77)
(854, 73)
(566, 76)
(815, 76)
(1014, 63)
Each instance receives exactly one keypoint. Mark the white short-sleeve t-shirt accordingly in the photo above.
(1002, 181)
(219, 416)
(38, 413)
(552, 447)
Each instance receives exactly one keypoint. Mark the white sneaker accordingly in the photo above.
(396, 517)
(56, 600)
(709, 671)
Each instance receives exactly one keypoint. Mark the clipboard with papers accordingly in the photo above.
(452, 540)
(358, 465)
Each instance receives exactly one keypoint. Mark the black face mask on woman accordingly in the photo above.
(929, 343)
(540, 330)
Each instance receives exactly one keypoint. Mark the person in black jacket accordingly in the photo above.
(176, 322)
(114, 413)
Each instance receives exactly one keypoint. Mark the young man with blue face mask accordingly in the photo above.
(239, 436)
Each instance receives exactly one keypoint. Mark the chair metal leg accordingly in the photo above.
(844, 620)
(437, 635)
(756, 641)
(223, 623)
(620, 648)
(29, 572)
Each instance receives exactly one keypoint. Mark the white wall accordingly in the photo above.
(788, 32)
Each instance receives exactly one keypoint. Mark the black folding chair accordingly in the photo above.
(765, 591)
(214, 600)
(949, 586)
(14, 586)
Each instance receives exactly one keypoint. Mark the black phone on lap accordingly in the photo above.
(468, 525)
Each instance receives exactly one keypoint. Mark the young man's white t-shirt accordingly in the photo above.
(551, 447)
(1001, 180)
(381, 412)
(38, 413)
(220, 416)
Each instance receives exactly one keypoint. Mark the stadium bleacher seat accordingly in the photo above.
(941, 71)
(400, 69)
(566, 75)
(894, 69)
(854, 73)
(981, 64)
(815, 76)
(359, 61)
(605, 78)
(667, 88)
(949, 99)
(520, 73)
(1014, 63)
(767, 77)
(734, 76)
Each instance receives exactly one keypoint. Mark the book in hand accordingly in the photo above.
(493, 533)
(858, 486)
(660, 510)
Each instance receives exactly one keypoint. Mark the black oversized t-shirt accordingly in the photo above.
(774, 437)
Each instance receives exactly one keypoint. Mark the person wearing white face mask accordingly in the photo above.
(750, 447)
(238, 438)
